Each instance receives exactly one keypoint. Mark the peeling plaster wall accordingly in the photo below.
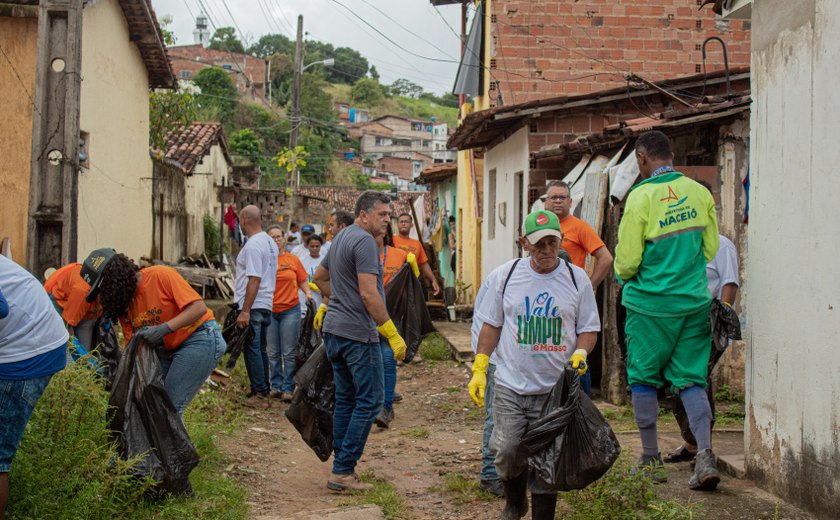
(793, 387)
(201, 192)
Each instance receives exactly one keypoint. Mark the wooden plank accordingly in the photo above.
(593, 204)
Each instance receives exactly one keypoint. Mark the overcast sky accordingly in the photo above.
(327, 21)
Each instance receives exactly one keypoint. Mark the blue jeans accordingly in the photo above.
(389, 374)
(283, 335)
(359, 393)
(488, 467)
(17, 400)
(256, 357)
(187, 367)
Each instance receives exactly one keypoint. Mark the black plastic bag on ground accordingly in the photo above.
(106, 349)
(571, 445)
(407, 309)
(313, 403)
(237, 339)
(309, 338)
(144, 423)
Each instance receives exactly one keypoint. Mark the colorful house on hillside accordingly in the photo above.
(122, 57)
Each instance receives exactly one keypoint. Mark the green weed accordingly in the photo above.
(724, 393)
(434, 348)
(417, 433)
(383, 494)
(464, 490)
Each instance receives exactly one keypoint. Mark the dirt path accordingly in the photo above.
(437, 432)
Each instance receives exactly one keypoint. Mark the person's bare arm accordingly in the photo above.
(728, 293)
(427, 273)
(251, 291)
(603, 265)
(488, 339)
(322, 280)
(304, 286)
(586, 341)
(371, 298)
(189, 315)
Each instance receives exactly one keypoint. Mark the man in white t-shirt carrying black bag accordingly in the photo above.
(539, 315)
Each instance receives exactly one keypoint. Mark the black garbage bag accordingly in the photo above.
(571, 445)
(144, 423)
(313, 403)
(106, 349)
(309, 338)
(237, 339)
(407, 309)
(725, 325)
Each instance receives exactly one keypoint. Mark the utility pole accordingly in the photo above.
(53, 178)
(294, 179)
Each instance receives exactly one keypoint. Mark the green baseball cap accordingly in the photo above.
(540, 224)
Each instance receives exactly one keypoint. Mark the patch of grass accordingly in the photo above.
(446, 407)
(476, 413)
(417, 433)
(729, 414)
(464, 490)
(433, 348)
(67, 467)
(620, 496)
(724, 393)
(383, 494)
(453, 389)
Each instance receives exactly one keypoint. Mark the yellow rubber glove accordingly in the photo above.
(412, 261)
(389, 330)
(314, 287)
(578, 361)
(478, 383)
(319, 317)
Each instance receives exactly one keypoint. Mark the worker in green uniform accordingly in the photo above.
(667, 235)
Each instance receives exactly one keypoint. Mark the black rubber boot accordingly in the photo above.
(516, 497)
(543, 506)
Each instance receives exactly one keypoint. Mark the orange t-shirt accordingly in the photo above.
(392, 260)
(290, 274)
(161, 295)
(579, 239)
(69, 291)
(412, 246)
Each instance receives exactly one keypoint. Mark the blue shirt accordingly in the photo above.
(42, 365)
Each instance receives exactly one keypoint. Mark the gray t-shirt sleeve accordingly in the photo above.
(366, 255)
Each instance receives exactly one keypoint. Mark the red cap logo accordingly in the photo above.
(542, 219)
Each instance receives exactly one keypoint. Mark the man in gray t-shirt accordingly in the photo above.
(350, 279)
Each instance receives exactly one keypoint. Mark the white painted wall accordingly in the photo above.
(115, 193)
(201, 196)
(793, 359)
(508, 158)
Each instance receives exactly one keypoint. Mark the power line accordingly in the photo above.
(406, 29)
(189, 10)
(241, 34)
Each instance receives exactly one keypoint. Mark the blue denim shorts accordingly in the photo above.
(17, 400)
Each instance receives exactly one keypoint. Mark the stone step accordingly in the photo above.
(733, 465)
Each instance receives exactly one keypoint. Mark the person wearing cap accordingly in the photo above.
(159, 306)
(666, 236)
(539, 315)
(68, 291)
(33, 347)
(410, 245)
(301, 249)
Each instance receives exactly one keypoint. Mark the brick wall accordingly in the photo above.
(546, 48)
(192, 58)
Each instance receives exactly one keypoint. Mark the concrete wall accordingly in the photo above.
(793, 388)
(19, 39)
(115, 193)
(508, 159)
(201, 196)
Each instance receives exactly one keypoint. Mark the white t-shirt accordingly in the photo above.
(310, 265)
(477, 322)
(33, 327)
(541, 316)
(258, 257)
(723, 269)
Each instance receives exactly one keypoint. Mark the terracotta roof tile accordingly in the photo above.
(187, 145)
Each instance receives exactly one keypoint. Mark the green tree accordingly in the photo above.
(374, 73)
(367, 91)
(320, 133)
(169, 109)
(245, 142)
(271, 44)
(217, 90)
(224, 39)
(404, 87)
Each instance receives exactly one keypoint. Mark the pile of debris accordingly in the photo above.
(211, 280)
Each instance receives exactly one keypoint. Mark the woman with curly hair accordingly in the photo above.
(158, 305)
